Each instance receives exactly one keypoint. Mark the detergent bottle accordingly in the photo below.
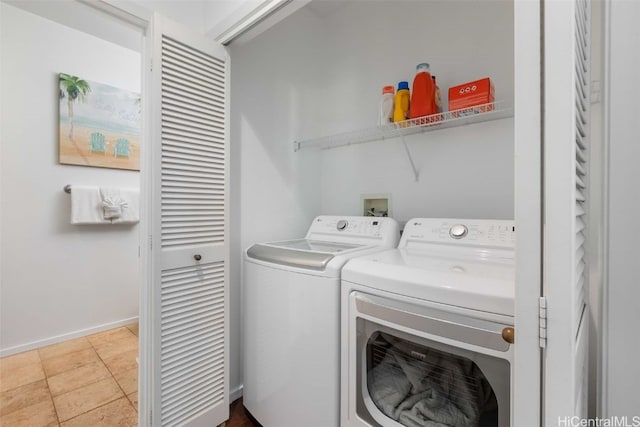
(437, 117)
(385, 114)
(437, 98)
(401, 110)
(423, 93)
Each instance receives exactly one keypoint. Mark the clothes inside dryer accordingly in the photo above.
(419, 386)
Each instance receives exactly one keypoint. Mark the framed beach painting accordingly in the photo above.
(99, 124)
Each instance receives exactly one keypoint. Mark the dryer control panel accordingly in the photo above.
(376, 231)
(467, 232)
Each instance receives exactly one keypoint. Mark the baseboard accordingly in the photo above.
(235, 393)
(65, 337)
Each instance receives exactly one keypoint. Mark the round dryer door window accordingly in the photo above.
(416, 385)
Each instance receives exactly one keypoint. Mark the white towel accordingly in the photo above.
(112, 203)
(86, 205)
(131, 212)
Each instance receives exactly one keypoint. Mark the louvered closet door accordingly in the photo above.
(566, 146)
(189, 243)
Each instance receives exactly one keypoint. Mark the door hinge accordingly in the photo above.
(150, 241)
(542, 321)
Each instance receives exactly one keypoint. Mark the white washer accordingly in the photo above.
(292, 319)
(426, 327)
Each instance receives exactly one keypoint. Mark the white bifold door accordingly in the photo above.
(566, 207)
(552, 121)
(187, 291)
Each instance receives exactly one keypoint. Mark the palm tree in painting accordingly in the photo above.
(74, 88)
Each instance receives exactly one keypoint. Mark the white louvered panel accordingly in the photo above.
(196, 108)
(581, 375)
(582, 132)
(192, 340)
(566, 130)
(579, 302)
(176, 138)
(202, 164)
(177, 134)
(171, 178)
(194, 80)
(174, 97)
(172, 220)
(184, 128)
(176, 111)
(195, 180)
(582, 104)
(193, 147)
(582, 113)
(174, 86)
(581, 368)
(580, 144)
(579, 239)
(194, 59)
(192, 337)
(197, 65)
(581, 156)
(193, 123)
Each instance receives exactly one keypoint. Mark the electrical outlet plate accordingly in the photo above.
(376, 204)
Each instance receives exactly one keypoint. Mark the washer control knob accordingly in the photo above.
(458, 231)
(342, 225)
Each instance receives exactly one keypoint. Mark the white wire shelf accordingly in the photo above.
(446, 119)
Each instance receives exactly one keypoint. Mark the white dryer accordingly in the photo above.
(427, 328)
(291, 331)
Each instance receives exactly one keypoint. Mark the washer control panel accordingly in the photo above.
(474, 232)
(342, 225)
(355, 229)
(458, 231)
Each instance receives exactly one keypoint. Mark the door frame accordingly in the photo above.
(140, 18)
(528, 210)
(528, 195)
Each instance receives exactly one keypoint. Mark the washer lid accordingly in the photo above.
(476, 283)
(303, 253)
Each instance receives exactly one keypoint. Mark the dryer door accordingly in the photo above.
(409, 377)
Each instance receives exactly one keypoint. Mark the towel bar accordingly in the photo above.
(67, 189)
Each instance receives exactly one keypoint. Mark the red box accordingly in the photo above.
(471, 94)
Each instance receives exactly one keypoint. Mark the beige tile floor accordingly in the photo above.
(89, 381)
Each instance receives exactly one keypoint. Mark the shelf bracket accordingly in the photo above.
(413, 166)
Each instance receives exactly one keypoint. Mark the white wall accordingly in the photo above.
(321, 70)
(57, 280)
(464, 172)
(274, 191)
(82, 17)
(190, 13)
(622, 291)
